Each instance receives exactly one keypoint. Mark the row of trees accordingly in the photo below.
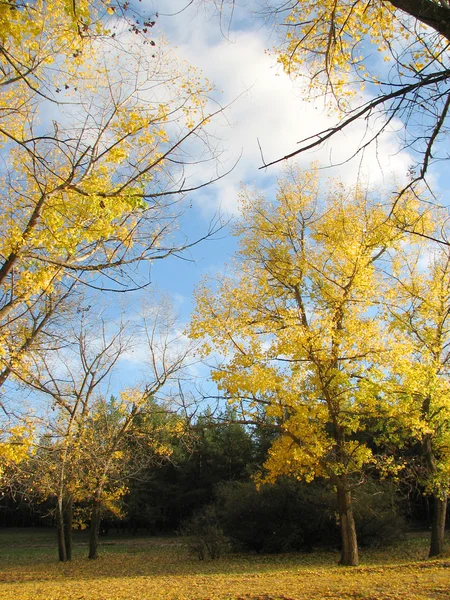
(101, 126)
(202, 485)
(330, 333)
(206, 476)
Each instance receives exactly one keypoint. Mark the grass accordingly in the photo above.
(162, 569)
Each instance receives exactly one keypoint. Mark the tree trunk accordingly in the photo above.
(438, 526)
(95, 529)
(67, 525)
(431, 13)
(439, 503)
(349, 550)
(60, 529)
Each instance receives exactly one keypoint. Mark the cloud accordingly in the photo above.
(266, 116)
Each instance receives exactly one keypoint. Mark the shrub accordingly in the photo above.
(291, 515)
(378, 521)
(206, 537)
(281, 517)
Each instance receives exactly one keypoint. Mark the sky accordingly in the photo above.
(264, 116)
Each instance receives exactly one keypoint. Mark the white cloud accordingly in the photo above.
(267, 113)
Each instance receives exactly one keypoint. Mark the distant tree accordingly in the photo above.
(418, 307)
(124, 438)
(86, 454)
(71, 381)
(213, 450)
(222, 448)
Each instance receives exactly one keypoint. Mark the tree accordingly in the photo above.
(419, 310)
(214, 449)
(71, 380)
(134, 433)
(332, 43)
(124, 439)
(95, 131)
(15, 443)
(94, 444)
(32, 36)
(297, 324)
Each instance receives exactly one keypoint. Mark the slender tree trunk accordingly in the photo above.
(439, 503)
(68, 519)
(95, 528)
(438, 526)
(60, 529)
(349, 550)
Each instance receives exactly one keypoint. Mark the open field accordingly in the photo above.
(161, 568)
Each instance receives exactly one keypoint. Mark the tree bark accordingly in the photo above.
(349, 550)
(438, 526)
(67, 526)
(95, 529)
(439, 502)
(432, 14)
(60, 530)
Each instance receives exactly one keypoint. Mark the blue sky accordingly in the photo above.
(265, 111)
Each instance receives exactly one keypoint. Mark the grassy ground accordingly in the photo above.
(162, 569)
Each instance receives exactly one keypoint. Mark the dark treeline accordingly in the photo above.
(207, 490)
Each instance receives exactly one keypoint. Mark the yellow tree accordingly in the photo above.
(94, 131)
(123, 438)
(15, 443)
(334, 44)
(330, 41)
(93, 443)
(418, 308)
(40, 34)
(297, 325)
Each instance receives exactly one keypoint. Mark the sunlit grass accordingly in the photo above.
(161, 568)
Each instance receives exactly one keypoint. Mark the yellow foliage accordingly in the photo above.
(77, 190)
(15, 446)
(92, 451)
(418, 310)
(299, 324)
(328, 42)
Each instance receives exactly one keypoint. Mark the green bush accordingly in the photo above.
(277, 518)
(378, 521)
(205, 535)
(291, 515)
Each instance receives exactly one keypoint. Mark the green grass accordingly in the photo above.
(162, 569)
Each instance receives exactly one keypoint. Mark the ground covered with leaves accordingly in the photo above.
(162, 568)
